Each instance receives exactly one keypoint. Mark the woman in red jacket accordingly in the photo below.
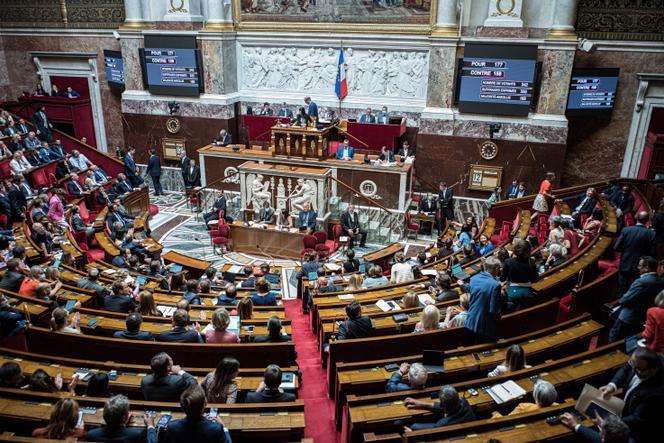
(654, 332)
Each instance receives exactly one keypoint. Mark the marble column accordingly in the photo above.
(564, 18)
(557, 69)
(218, 50)
(504, 14)
(133, 14)
(184, 11)
(446, 19)
(130, 41)
(440, 89)
(219, 15)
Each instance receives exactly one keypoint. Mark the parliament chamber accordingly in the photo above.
(331, 222)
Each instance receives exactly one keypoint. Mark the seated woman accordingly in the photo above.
(215, 331)
(556, 232)
(63, 422)
(591, 227)
(544, 394)
(60, 321)
(464, 238)
(275, 332)
(351, 264)
(430, 320)
(410, 300)
(245, 308)
(219, 385)
(401, 271)
(284, 219)
(354, 282)
(484, 246)
(98, 385)
(519, 273)
(263, 296)
(375, 278)
(653, 333)
(515, 360)
(454, 317)
(571, 242)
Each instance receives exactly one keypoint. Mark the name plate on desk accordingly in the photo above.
(484, 178)
(172, 147)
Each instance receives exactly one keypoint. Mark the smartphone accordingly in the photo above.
(476, 356)
(163, 420)
(213, 413)
(113, 375)
(92, 322)
(69, 306)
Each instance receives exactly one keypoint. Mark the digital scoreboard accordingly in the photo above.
(171, 65)
(114, 68)
(592, 91)
(497, 79)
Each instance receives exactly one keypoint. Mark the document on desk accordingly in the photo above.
(591, 394)
(166, 311)
(387, 306)
(425, 299)
(506, 391)
(428, 272)
(332, 267)
(235, 269)
(346, 297)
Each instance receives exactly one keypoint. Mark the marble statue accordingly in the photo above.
(304, 192)
(258, 192)
(370, 72)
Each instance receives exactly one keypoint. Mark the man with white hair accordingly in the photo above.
(417, 378)
(484, 312)
(116, 418)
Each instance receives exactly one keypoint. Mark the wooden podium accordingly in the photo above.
(295, 141)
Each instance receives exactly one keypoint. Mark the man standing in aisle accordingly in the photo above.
(154, 171)
(312, 109)
(446, 204)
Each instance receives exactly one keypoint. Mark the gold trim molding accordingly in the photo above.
(561, 34)
(137, 24)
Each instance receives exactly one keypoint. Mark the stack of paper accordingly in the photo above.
(235, 269)
(346, 297)
(426, 299)
(387, 306)
(506, 391)
(429, 272)
(166, 311)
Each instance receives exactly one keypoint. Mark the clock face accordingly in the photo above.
(173, 125)
(488, 150)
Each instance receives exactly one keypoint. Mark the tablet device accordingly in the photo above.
(433, 360)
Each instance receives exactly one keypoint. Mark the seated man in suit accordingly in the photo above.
(454, 410)
(116, 418)
(167, 381)
(428, 204)
(642, 382)
(367, 117)
(192, 294)
(32, 157)
(633, 305)
(284, 111)
(307, 218)
(223, 139)
(43, 154)
(57, 151)
(97, 175)
(123, 187)
(121, 299)
(350, 225)
(228, 297)
(31, 142)
(383, 116)
(23, 128)
(219, 205)
(74, 187)
(406, 151)
(345, 152)
(268, 391)
(386, 156)
(325, 285)
(585, 207)
(180, 332)
(266, 214)
(512, 189)
(417, 378)
(611, 429)
(195, 427)
(266, 110)
(356, 325)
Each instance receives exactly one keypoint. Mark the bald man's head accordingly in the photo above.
(642, 217)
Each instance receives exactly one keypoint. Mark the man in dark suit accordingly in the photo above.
(91, 281)
(192, 176)
(633, 243)
(40, 120)
(268, 391)
(624, 203)
(74, 187)
(116, 418)
(454, 410)
(367, 117)
(17, 198)
(219, 205)
(266, 110)
(56, 151)
(10, 130)
(386, 156)
(307, 218)
(12, 279)
(228, 297)
(130, 168)
(192, 294)
(266, 214)
(133, 332)
(224, 138)
(122, 186)
(167, 381)
(350, 226)
(184, 164)
(406, 151)
(446, 205)
(611, 429)
(325, 285)
(180, 332)
(632, 306)
(71, 93)
(428, 204)
(154, 171)
(512, 189)
(585, 206)
(195, 427)
(284, 111)
(312, 109)
(121, 298)
(485, 302)
(25, 188)
(22, 128)
(642, 382)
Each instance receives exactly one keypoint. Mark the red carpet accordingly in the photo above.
(318, 408)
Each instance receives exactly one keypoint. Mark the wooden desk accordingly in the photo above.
(196, 267)
(269, 241)
(299, 142)
(381, 256)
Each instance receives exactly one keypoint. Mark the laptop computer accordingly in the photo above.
(234, 325)
(228, 277)
(140, 281)
(434, 361)
(459, 273)
(273, 279)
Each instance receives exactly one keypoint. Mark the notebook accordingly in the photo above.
(504, 392)
(459, 273)
(234, 325)
(434, 360)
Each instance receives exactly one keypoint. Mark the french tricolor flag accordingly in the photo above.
(341, 86)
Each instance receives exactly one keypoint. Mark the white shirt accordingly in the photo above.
(401, 272)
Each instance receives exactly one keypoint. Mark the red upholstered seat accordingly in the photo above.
(91, 255)
(4, 219)
(309, 245)
(39, 179)
(410, 226)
